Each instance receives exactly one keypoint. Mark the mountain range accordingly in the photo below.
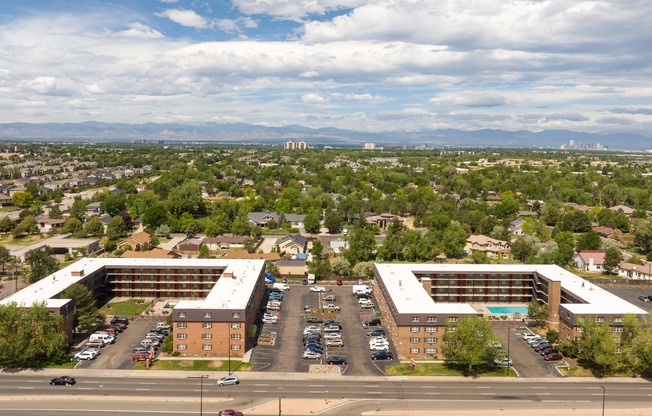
(237, 133)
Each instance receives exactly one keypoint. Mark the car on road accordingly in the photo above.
(311, 319)
(228, 381)
(229, 412)
(63, 381)
(334, 343)
(555, 356)
(330, 298)
(339, 282)
(331, 307)
(317, 289)
(382, 355)
(335, 360)
(505, 362)
(310, 355)
(378, 332)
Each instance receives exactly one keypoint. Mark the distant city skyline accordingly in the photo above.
(369, 66)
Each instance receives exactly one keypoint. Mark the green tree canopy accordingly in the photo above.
(470, 342)
(612, 259)
(22, 199)
(85, 306)
(94, 227)
(7, 225)
(340, 266)
(312, 223)
(72, 226)
(538, 312)
(598, 344)
(26, 226)
(41, 263)
(116, 228)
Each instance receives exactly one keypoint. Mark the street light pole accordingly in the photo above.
(229, 347)
(201, 393)
(604, 392)
(509, 330)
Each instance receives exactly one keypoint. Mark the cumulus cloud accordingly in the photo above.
(309, 74)
(294, 9)
(139, 30)
(470, 100)
(312, 98)
(185, 17)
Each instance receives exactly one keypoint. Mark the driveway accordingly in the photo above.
(268, 243)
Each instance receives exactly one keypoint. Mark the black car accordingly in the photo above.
(314, 339)
(63, 381)
(118, 320)
(333, 322)
(376, 333)
(542, 346)
(314, 319)
(548, 350)
(371, 322)
(314, 347)
(336, 360)
(382, 355)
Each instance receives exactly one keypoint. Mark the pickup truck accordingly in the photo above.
(331, 307)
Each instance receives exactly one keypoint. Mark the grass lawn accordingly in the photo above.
(64, 365)
(21, 240)
(196, 365)
(442, 369)
(578, 370)
(127, 307)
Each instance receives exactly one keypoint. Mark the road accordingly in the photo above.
(30, 394)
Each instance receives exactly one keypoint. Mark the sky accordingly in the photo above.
(375, 65)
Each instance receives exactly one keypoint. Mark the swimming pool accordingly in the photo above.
(506, 310)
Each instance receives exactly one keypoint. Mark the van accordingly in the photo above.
(311, 279)
(281, 286)
(361, 289)
(105, 338)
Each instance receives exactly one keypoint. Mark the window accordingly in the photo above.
(431, 329)
(414, 350)
(618, 319)
(207, 325)
(414, 329)
(431, 319)
(181, 347)
(415, 319)
(207, 336)
(431, 350)
(599, 319)
(207, 347)
(415, 340)
(235, 315)
(451, 329)
(182, 314)
(452, 319)
(182, 324)
(235, 336)
(431, 340)
(182, 336)
(578, 329)
(235, 347)
(618, 329)
(235, 325)
(207, 314)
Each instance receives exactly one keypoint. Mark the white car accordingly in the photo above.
(311, 329)
(332, 335)
(147, 342)
(379, 347)
(317, 289)
(330, 298)
(368, 305)
(85, 355)
(528, 336)
(270, 320)
(311, 355)
(379, 342)
(364, 300)
(228, 381)
(163, 325)
(332, 307)
(334, 343)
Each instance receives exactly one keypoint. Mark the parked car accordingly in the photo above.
(334, 343)
(376, 332)
(332, 307)
(339, 282)
(95, 344)
(228, 381)
(314, 348)
(332, 335)
(644, 298)
(313, 319)
(270, 320)
(332, 328)
(505, 362)
(311, 329)
(309, 308)
(120, 320)
(549, 350)
(330, 298)
(367, 306)
(335, 360)
(311, 355)
(63, 381)
(382, 355)
(317, 289)
(304, 282)
(140, 349)
(528, 336)
(379, 347)
(542, 346)
(140, 356)
(163, 325)
(314, 341)
(85, 355)
(229, 412)
(371, 322)
(333, 322)
(554, 356)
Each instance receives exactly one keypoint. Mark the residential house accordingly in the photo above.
(262, 218)
(46, 224)
(490, 246)
(635, 271)
(516, 227)
(291, 268)
(605, 232)
(382, 220)
(625, 209)
(590, 260)
(5, 200)
(296, 220)
(190, 246)
(137, 242)
(291, 244)
(224, 242)
(93, 209)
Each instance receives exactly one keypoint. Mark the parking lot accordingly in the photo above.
(286, 354)
(631, 293)
(119, 354)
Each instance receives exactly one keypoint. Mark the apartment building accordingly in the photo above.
(418, 300)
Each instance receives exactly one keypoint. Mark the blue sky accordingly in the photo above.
(365, 65)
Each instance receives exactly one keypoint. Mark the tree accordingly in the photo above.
(589, 241)
(470, 342)
(78, 208)
(612, 259)
(192, 230)
(5, 257)
(163, 231)
(186, 198)
(72, 226)
(523, 248)
(312, 223)
(154, 242)
(94, 227)
(55, 212)
(597, 345)
(643, 236)
(156, 215)
(26, 226)
(333, 221)
(250, 245)
(116, 228)
(341, 266)
(364, 268)
(204, 252)
(22, 199)
(7, 225)
(453, 240)
(538, 312)
(85, 306)
(41, 263)
(19, 347)
(114, 204)
(362, 244)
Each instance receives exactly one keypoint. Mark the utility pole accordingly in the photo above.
(604, 392)
(201, 393)
(229, 347)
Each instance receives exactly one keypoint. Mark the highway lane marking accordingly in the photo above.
(483, 387)
(35, 381)
(371, 385)
(315, 391)
(374, 392)
(261, 385)
(428, 387)
(316, 385)
(544, 394)
(260, 391)
(147, 383)
(25, 388)
(645, 388)
(85, 388)
(430, 393)
(539, 387)
(90, 382)
(149, 390)
(488, 394)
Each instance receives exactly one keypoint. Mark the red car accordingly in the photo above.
(230, 412)
(339, 282)
(555, 356)
(140, 356)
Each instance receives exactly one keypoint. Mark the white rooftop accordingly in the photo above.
(409, 296)
(228, 293)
